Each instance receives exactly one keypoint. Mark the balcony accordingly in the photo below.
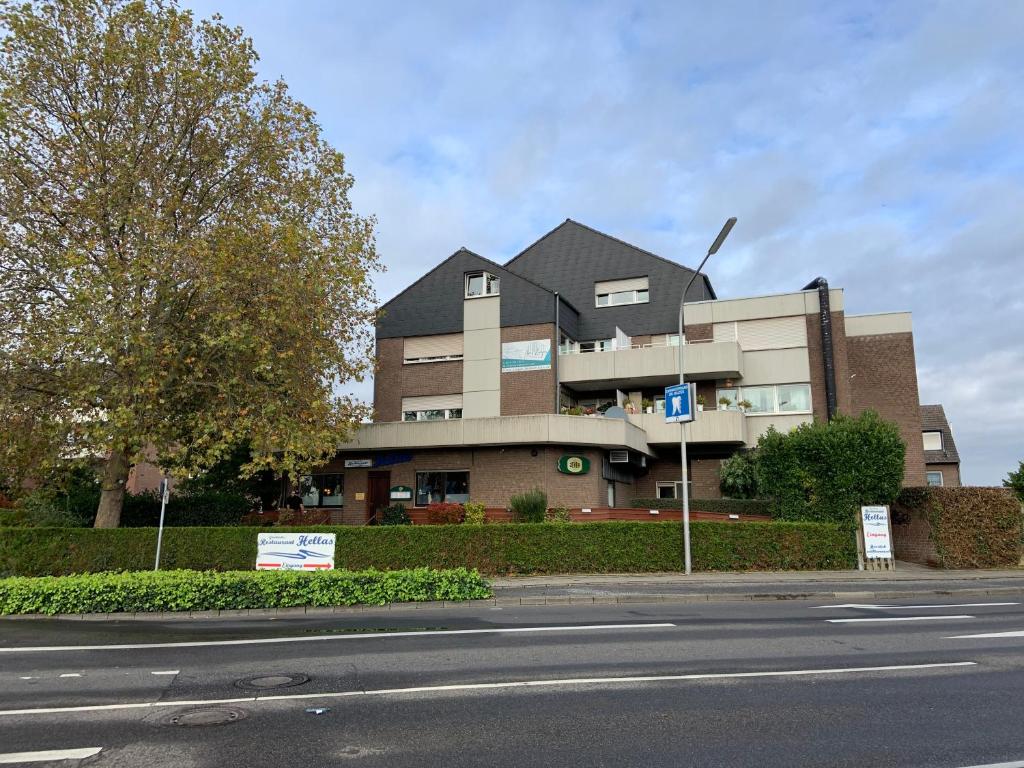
(499, 430)
(650, 366)
(723, 427)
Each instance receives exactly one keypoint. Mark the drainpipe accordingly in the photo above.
(827, 355)
(554, 357)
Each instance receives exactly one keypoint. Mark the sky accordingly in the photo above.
(880, 145)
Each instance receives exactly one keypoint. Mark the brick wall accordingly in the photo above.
(950, 473)
(703, 476)
(394, 380)
(911, 539)
(527, 392)
(817, 365)
(883, 378)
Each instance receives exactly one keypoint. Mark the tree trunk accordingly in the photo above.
(115, 477)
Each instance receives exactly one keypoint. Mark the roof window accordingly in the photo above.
(481, 284)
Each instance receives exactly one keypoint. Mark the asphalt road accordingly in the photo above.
(714, 684)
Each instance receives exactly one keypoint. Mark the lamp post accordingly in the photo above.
(726, 229)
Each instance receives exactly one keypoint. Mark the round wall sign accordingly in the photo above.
(574, 465)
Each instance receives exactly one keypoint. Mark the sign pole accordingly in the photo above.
(164, 493)
(682, 455)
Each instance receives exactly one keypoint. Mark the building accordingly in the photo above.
(493, 379)
(941, 460)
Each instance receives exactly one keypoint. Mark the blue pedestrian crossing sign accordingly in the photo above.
(678, 403)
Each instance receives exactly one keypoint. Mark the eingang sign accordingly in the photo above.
(875, 524)
(295, 551)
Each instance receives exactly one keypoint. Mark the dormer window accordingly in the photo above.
(481, 284)
(611, 293)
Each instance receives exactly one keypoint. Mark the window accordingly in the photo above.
(601, 345)
(432, 414)
(610, 293)
(781, 398)
(622, 297)
(794, 397)
(761, 399)
(481, 284)
(674, 490)
(442, 487)
(432, 349)
(322, 490)
(933, 478)
(932, 442)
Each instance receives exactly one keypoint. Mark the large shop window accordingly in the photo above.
(442, 487)
(322, 490)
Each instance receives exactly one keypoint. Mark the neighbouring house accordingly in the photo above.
(549, 370)
(941, 460)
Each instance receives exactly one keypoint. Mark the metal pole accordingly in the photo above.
(160, 531)
(724, 233)
(682, 442)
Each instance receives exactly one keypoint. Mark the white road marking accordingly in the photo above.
(494, 686)
(166, 672)
(28, 677)
(914, 607)
(49, 755)
(71, 674)
(316, 638)
(1015, 633)
(1014, 764)
(898, 618)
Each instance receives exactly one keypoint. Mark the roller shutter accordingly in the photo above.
(771, 333)
(424, 347)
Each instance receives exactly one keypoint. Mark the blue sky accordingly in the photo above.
(878, 144)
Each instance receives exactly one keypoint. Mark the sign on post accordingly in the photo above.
(679, 403)
(877, 537)
(295, 552)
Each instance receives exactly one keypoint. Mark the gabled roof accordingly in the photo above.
(933, 419)
(572, 257)
(623, 243)
(433, 303)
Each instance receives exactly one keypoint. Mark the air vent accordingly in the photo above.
(618, 457)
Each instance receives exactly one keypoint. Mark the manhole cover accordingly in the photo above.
(263, 682)
(206, 716)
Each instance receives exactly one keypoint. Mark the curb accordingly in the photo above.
(507, 602)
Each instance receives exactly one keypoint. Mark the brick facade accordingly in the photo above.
(950, 473)
(394, 380)
(495, 474)
(529, 392)
(883, 378)
(704, 478)
(816, 362)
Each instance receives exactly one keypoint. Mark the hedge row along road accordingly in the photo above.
(606, 547)
(232, 590)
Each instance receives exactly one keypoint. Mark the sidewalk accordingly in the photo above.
(908, 580)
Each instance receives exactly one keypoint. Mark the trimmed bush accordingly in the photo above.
(395, 515)
(234, 590)
(445, 514)
(601, 547)
(824, 471)
(529, 507)
(558, 515)
(728, 506)
(970, 527)
(476, 513)
(738, 476)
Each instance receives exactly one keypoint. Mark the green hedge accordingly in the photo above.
(602, 547)
(233, 590)
(730, 506)
(970, 527)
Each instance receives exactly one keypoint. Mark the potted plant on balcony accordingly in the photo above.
(724, 403)
(647, 405)
(701, 401)
(745, 405)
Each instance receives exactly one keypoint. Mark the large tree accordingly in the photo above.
(181, 266)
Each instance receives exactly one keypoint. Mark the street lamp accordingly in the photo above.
(726, 229)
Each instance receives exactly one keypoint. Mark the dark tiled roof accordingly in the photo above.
(933, 419)
(572, 256)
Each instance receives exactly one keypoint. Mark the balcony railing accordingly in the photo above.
(654, 364)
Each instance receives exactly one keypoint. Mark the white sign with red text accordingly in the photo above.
(295, 552)
(875, 524)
